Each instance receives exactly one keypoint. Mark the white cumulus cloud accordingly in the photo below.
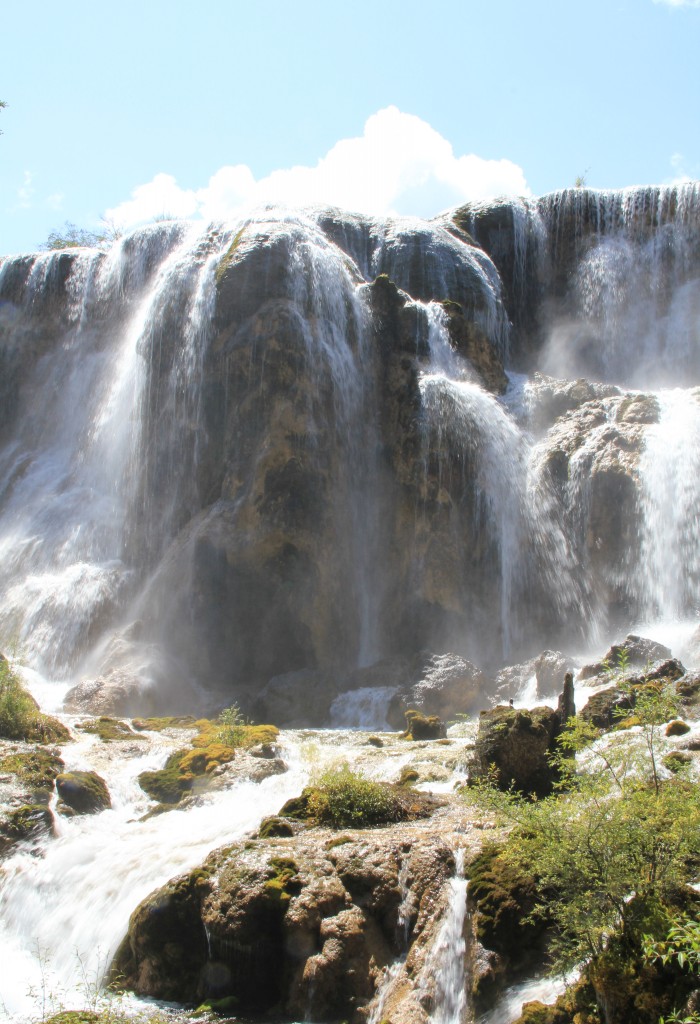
(678, 3)
(25, 193)
(399, 165)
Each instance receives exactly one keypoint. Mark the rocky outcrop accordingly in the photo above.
(514, 747)
(302, 927)
(445, 685)
(321, 473)
(548, 669)
(632, 652)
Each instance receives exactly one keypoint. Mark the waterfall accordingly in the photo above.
(496, 457)
(669, 471)
(446, 963)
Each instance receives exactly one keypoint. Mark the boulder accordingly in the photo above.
(424, 727)
(81, 793)
(28, 822)
(634, 652)
(606, 708)
(439, 684)
(677, 728)
(517, 744)
(548, 668)
(292, 927)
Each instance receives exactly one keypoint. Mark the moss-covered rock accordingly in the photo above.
(423, 727)
(275, 825)
(503, 898)
(35, 769)
(168, 784)
(82, 793)
(108, 729)
(677, 761)
(677, 728)
(160, 724)
(514, 747)
(190, 768)
(24, 823)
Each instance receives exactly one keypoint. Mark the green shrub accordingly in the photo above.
(18, 710)
(20, 717)
(343, 798)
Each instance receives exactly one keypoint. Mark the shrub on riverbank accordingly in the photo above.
(20, 717)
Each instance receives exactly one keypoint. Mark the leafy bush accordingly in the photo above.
(343, 798)
(18, 711)
(72, 237)
(232, 726)
(612, 852)
(20, 717)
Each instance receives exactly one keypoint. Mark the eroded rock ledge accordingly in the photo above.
(304, 926)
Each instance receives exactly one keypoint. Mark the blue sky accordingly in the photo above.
(134, 109)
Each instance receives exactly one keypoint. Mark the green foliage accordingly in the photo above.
(232, 726)
(611, 849)
(227, 259)
(18, 712)
(343, 798)
(72, 237)
(20, 717)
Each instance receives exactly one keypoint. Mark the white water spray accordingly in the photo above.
(446, 963)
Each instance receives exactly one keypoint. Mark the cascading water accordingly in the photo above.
(136, 496)
(64, 911)
(669, 472)
(448, 956)
(496, 454)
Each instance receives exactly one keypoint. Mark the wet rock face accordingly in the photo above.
(588, 467)
(82, 793)
(296, 927)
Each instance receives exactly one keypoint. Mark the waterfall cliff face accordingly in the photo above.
(290, 444)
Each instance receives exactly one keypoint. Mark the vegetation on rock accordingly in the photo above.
(36, 769)
(343, 798)
(72, 237)
(108, 729)
(423, 727)
(612, 852)
(82, 792)
(214, 745)
(20, 717)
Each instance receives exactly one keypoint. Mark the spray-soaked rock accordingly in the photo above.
(82, 793)
(302, 926)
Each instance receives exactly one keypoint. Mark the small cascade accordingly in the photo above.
(389, 976)
(446, 963)
(407, 905)
(115, 859)
(668, 579)
(364, 708)
(494, 457)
